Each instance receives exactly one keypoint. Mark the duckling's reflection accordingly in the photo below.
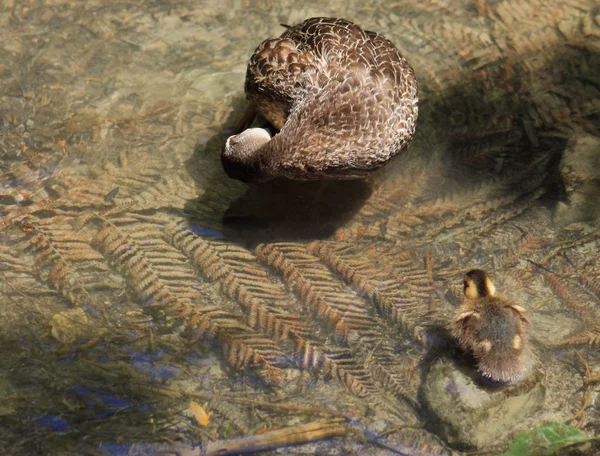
(294, 210)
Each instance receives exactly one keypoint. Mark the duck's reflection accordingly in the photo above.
(284, 209)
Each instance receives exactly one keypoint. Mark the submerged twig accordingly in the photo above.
(588, 389)
(293, 435)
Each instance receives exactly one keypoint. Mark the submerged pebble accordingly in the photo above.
(470, 414)
(580, 173)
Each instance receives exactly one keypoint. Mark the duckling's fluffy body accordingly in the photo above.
(493, 328)
(344, 100)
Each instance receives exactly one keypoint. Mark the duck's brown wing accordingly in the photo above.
(284, 70)
(325, 34)
(389, 63)
(276, 78)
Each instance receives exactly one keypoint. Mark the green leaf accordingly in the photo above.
(546, 440)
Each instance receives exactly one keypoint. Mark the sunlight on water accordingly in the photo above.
(148, 302)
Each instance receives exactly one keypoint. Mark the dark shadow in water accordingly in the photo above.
(506, 128)
(281, 210)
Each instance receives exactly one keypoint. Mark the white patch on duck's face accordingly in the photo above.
(471, 290)
(489, 286)
(246, 143)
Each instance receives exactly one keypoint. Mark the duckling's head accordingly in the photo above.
(478, 284)
(240, 156)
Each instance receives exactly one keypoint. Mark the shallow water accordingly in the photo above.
(137, 279)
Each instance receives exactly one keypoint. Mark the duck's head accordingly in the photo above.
(240, 157)
(478, 284)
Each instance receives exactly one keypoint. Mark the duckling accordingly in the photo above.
(343, 99)
(494, 329)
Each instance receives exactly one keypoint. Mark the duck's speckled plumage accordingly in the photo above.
(493, 328)
(344, 100)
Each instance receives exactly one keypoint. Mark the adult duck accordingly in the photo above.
(343, 99)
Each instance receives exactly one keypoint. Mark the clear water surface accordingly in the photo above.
(148, 302)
